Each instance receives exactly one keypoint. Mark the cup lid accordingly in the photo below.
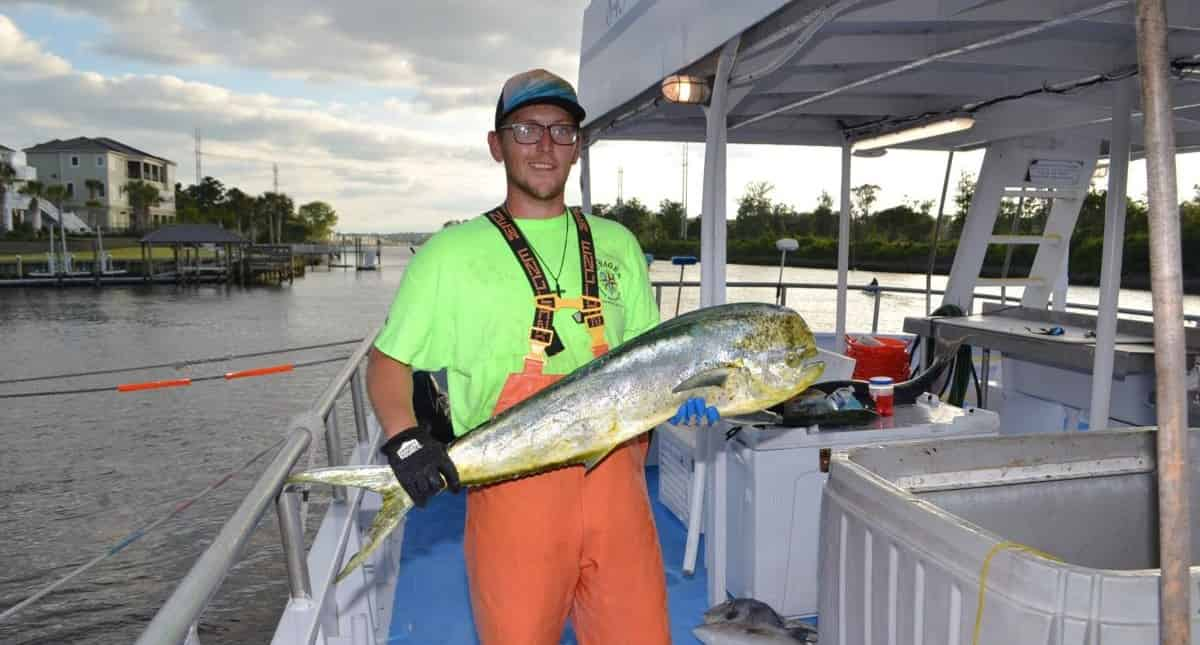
(880, 380)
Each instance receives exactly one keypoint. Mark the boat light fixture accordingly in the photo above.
(917, 133)
(680, 88)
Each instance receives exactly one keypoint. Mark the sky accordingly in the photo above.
(380, 108)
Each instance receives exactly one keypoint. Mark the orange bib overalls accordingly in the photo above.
(567, 542)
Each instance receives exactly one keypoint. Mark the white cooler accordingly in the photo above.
(774, 489)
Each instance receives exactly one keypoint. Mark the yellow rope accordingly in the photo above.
(983, 573)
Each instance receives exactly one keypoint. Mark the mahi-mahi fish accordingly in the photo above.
(742, 358)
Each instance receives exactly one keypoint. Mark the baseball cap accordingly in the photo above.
(537, 86)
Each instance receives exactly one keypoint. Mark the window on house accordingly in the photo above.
(145, 169)
(154, 173)
(99, 161)
(70, 189)
(133, 170)
(100, 190)
(74, 162)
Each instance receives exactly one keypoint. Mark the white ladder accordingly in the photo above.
(1056, 169)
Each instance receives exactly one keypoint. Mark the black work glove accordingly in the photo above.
(420, 463)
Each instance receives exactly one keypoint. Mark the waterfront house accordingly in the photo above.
(109, 165)
(14, 206)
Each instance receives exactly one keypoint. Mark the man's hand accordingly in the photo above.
(695, 411)
(420, 464)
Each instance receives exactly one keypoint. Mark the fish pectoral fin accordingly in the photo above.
(760, 418)
(379, 479)
(715, 377)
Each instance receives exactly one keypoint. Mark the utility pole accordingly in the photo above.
(199, 172)
(620, 185)
(277, 230)
(683, 217)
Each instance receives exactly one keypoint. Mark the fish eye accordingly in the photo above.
(792, 359)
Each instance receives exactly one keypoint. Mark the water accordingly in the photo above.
(80, 472)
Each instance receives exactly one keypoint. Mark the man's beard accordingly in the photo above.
(543, 195)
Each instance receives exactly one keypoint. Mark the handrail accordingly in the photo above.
(659, 285)
(176, 618)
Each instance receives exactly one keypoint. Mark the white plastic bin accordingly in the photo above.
(676, 450)
(905, 532)
(774, 492)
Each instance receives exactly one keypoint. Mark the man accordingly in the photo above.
(507, 302)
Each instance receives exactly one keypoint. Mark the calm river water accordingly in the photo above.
(78, 473)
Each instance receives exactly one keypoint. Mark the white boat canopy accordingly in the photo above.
(815, 72)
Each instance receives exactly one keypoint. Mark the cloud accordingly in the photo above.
(454, 54)
(22, 59)
(360, 158)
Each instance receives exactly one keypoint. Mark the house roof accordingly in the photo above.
(4, 148)
(193, 234)
(92, 144)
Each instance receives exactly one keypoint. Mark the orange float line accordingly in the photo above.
(261, 371)
(153, 385)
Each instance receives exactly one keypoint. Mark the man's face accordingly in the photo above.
(539, 169)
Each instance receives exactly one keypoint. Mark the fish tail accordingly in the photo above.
(396, 505)
(379, 479)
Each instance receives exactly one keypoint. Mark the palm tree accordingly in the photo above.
(142, 197)
(57, 194)
(7, 175)
(35, 191)
(94, 186)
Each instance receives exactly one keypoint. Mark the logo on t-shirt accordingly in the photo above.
(609, 275)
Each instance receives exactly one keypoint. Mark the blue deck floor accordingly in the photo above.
(442, 614)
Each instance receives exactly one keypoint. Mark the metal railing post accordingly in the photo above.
(875, 316)
(333, 443)
(359, 398)
(783, 295)
(658, 295)
(287, 506)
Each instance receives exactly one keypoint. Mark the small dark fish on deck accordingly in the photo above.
(746, 621)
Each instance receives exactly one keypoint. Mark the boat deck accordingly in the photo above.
(432, 554)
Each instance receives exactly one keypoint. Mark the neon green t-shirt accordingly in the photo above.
(464, 304)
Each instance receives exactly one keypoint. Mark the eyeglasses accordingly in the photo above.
(563, 134)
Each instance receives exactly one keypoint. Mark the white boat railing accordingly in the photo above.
(877, 291)
(309, 603)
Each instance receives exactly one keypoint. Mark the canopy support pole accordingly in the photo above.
(843, 253)
(585, 177)
(1110, 257)
(1166, 282)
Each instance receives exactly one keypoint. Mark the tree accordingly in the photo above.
(240, 206)
(319, 219)
(7, 175)
(35, 191)
(670, 218)
(964, 192)
(756, 212)
(142, 197)
(275, 208)
(824, 219)
(864, 199)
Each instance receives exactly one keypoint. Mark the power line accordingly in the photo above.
(178, 364)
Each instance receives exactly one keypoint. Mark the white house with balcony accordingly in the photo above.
(14, 206)
(95, 170)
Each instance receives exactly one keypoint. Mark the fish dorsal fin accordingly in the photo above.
(714, 377)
